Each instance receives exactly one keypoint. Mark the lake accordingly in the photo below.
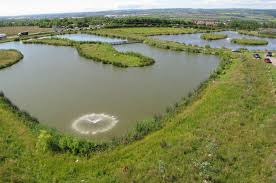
(86, 98)
(195, 39)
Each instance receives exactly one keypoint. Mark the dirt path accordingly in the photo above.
(273, 60)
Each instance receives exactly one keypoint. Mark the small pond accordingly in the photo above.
(195, 39)
(91, 37)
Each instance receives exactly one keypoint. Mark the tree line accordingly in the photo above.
(132, 22)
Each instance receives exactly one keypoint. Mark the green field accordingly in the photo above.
(108, 55)
(101, 52)
(9, 57)
(249, 41)
(213, 36)
(14, 30)
(224, 132)
(140, 33)
(258, 33)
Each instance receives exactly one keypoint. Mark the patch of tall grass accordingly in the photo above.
(213, 36)
(9, 57)
(253, 42)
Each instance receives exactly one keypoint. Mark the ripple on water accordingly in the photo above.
(94, 123)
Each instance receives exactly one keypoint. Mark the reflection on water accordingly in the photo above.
(90, 37)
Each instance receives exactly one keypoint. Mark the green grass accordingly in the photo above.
(249, 41)
(230, 126)
(101, 52)
(14, 30)
(9, 57)
(139, 34)
(108, 55)
(50, 41)
(225, 132)
(258, 33)
(213, 36)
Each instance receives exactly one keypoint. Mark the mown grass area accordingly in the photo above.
(213, 36)
(101, 52)
(50, 41)
(226, 135)
(106, 54)
(11, 31)
(258, 34)
(139, 34)
(9, 57)
(244, 41)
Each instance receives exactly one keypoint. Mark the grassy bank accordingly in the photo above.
(223, 132)
(101, 52)
(228, 127)
(249, 41)
(213, 36)
(9, 57)
(258, 34)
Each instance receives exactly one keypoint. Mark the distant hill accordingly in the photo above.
(168, 13)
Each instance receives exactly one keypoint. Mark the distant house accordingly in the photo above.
(23, 34)
(58, 29)
(3, 36)
(205, 22)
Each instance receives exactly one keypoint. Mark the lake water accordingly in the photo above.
(60, 88)
(195, 39)
(90, 37)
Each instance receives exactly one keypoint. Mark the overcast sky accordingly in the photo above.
(21, 7)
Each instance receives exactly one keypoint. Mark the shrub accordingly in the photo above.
(249, 41)
(44, 141)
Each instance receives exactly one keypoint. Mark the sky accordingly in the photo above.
(24, 7)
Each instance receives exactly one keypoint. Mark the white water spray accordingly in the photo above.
(94, 123)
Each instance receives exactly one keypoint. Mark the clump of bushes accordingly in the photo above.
(244, 41)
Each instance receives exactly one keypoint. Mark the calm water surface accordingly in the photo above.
(195, 39)
(58, 86)
(90, 37)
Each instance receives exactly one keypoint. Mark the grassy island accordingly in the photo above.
(249, 41)
(213, 36)
(9, 57)
(258, 33)
(108, 55)
(101, 52)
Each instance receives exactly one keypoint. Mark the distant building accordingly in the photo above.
(205, 22)
(3, 36)
(59, 29)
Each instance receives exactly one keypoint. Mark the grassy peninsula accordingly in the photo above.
(9, 57)
(101, 52)
(213, 36)
(249, 41)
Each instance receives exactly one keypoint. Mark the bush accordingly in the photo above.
(44, 142)
(249, 41)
